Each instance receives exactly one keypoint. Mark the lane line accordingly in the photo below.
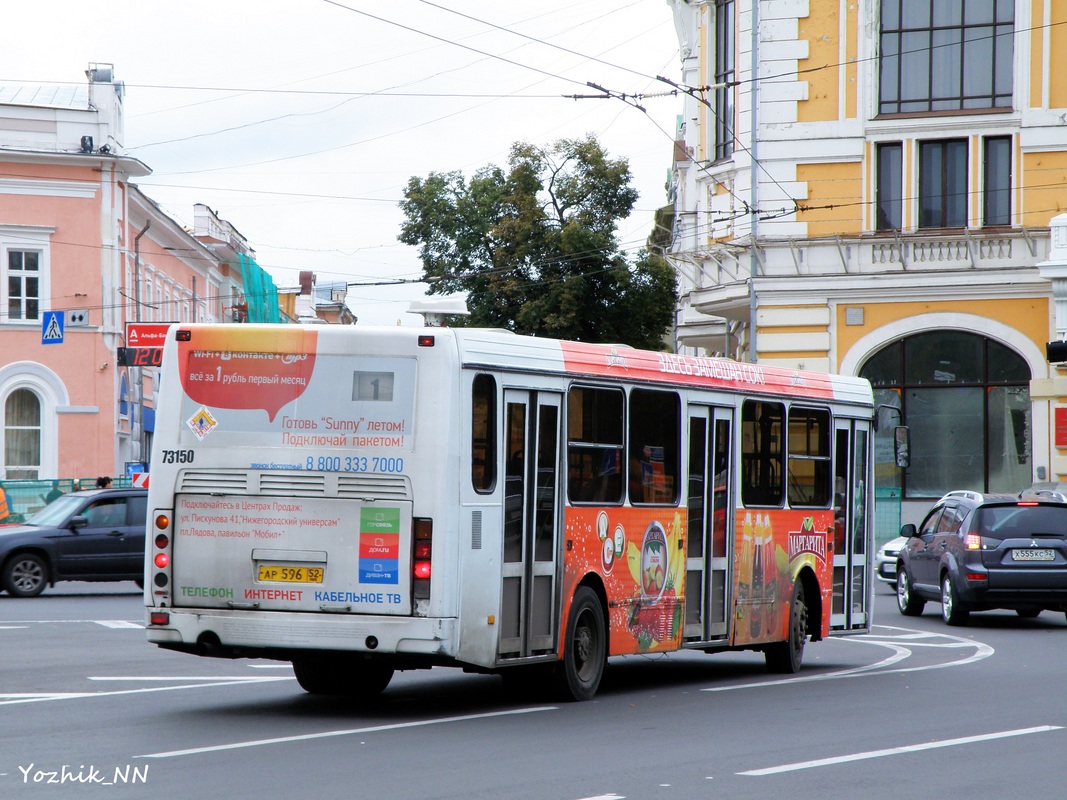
(982, 651)
(896, 751)
(346, 732)
(119, 624)
(38, 698)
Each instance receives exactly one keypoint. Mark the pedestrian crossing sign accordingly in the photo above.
(52, 327)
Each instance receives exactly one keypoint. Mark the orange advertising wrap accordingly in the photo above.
(247, 368)
(640, 553)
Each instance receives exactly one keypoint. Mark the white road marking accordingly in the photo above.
(13, 699)
(119, 623)
(982, 651)
(235, 678)
(896, 751)
(345, 732)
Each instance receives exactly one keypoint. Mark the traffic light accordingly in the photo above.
(1056, 352)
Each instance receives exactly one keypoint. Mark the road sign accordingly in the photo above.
(52, 327)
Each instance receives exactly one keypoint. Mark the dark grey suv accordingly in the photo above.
(97, 535)
(976, 551)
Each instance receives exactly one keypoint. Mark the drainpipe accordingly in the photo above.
(137, 317)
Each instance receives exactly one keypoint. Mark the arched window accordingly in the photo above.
(22, 435)
(966, 399)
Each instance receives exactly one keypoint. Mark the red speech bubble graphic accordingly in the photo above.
(247, 369)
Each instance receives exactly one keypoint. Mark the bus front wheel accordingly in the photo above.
(344, 677)
(584, 648)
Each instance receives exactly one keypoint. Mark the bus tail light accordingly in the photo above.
(422, 552)
(161, 557)
(159, 618)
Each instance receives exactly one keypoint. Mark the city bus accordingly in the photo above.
(361, 500)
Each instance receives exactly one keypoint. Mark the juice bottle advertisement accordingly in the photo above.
(771, 547)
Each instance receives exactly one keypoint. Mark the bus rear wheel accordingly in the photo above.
(343, 677)
(785, 657)
(584, 648)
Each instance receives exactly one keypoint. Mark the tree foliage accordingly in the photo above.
(535, 250)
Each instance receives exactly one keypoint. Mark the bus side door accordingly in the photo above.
(710, 523)
(528, 609)
(853, 504)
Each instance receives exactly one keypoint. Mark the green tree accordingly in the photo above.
(535, 249)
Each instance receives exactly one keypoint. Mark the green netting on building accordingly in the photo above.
(261, 294)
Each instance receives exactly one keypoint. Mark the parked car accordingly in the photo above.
(885, 561)
(96, 535)
(974, 552)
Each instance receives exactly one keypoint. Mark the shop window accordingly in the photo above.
(966, 399)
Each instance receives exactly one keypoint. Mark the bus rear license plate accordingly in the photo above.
(273, 572)
(1032, 554)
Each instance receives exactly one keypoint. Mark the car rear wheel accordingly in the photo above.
(25, 575)
(953, 612)
(908, 603)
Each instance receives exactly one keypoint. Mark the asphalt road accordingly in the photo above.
(89, 709)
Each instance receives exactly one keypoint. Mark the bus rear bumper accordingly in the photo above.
(283, 635)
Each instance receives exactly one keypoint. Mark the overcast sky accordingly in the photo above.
(301, 121)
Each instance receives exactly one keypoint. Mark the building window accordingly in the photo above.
(23, 285)
(966, 399)
(724, 74)
(22, 436)
(996, 209)
(946, 55)
(889, 187)
(943, 184)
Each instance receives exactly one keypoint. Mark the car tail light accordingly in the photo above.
(977, 576)
(422, 551)
(159, 618)
(973, 541)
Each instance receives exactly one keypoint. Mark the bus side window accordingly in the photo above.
(809, 457)
(594, 445)
(483, 433)
(654, 434)
(761, 453)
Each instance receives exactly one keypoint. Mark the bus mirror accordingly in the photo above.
(902, 446)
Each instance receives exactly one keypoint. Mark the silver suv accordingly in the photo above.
(974, 552)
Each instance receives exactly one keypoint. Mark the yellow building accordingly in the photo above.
(869, 187)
